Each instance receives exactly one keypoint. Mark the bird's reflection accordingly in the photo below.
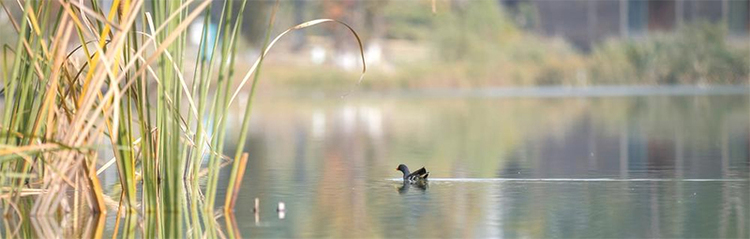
(421, 185)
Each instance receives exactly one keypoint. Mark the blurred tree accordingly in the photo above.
(374, 21)
(299, 16)
(255, 19)
(339, 10)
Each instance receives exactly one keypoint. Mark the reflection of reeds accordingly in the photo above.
(61, 105)
(69, 226)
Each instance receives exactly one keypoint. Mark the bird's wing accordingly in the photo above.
(422, 173)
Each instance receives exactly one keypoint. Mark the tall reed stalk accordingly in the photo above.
(84, 78)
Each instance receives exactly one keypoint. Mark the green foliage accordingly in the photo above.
(408, 20)
(472, 30)
(476, 44)
(695, 54)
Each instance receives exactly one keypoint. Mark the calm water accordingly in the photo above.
(555, 166)
(629, 166)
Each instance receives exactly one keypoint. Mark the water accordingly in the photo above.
(625, 166)
(544, 164)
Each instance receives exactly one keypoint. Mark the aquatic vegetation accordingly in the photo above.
(698, 53)
(85, 81)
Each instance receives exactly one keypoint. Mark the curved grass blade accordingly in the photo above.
(298, 27)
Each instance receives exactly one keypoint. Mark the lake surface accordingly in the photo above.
(625, 166)
(533, 165)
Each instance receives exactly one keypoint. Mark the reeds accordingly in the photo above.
(82, 79)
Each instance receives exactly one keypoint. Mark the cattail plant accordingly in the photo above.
(83, 78)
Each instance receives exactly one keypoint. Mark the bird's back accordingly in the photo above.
(420, 174)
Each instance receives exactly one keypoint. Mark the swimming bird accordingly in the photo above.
(417, 176)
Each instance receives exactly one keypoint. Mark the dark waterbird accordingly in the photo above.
(417, 176)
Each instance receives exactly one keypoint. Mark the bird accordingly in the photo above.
(417, 176)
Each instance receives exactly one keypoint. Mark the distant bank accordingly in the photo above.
(544, 92)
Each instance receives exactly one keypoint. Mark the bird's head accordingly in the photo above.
(402, 168)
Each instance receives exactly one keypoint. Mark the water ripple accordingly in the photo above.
(479, 180)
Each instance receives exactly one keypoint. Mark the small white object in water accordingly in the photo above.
(257, 205)
(281, 207)
(282, 215)
(257, 219)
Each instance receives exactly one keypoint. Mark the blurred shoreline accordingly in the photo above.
(527, 92)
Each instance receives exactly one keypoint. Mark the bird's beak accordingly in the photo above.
(396, 169)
